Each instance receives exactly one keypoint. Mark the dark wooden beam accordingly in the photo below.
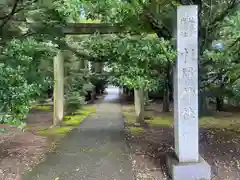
(81, 28)
(91, 28)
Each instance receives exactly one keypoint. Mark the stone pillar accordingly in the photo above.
(187, 164)
(86, 65)
(58, 88)
(187, 85)
(139, 104)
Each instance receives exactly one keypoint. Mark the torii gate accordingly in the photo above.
(185, 164)
(73, 29)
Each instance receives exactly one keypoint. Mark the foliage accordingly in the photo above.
(141, 62)
(77, 82)
(221, 67)
(26, 56)
(16, 94)
(134, 61)
(74, 100)
(35, 58)
(218, 21)
(99, 81)
(31, 34)
(24, 70)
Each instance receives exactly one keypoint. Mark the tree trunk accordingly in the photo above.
(139, 104)
(219, 103)
(203, 105)
(93, 95)
(128, 92)
(124, 90)
(166, 102)
(220, 99)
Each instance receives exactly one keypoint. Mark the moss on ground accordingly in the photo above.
(166, 120)
(204, 122)
(136, 131)
(163, 121)
(89, 109)
(55, 131)
(151, 120)
(78, 116)
(69, 122)
(213, 122)
(42, 107)
(130, 119)
(73, 120)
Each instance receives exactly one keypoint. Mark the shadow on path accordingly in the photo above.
(95, 151)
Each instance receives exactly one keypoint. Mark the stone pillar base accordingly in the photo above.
(188, 171)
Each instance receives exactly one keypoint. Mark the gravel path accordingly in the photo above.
(95, 151)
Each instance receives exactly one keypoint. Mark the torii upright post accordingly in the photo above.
(58, 88)
(186, 164)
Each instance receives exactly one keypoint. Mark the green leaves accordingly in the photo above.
(23, 74)
(15, 94)
(135, 61)
(27, 53)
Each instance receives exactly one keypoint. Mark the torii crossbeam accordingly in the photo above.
(91, 28)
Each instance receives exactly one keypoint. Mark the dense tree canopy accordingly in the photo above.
(216, 21)
(31, 34)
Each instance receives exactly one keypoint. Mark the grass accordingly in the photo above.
(163, 121)
(152, 121)
(78, 116)
(130, 119)
(74, 120)
(42, 107)
(69, 122)
(136, 131)
(166, 120)
(87, 109)
(218, 122)
(55, 131)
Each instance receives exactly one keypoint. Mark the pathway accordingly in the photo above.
(95, 151)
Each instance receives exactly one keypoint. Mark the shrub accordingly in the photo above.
(16, 94)
(74, 101)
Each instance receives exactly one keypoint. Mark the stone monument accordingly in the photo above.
(186, 164)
